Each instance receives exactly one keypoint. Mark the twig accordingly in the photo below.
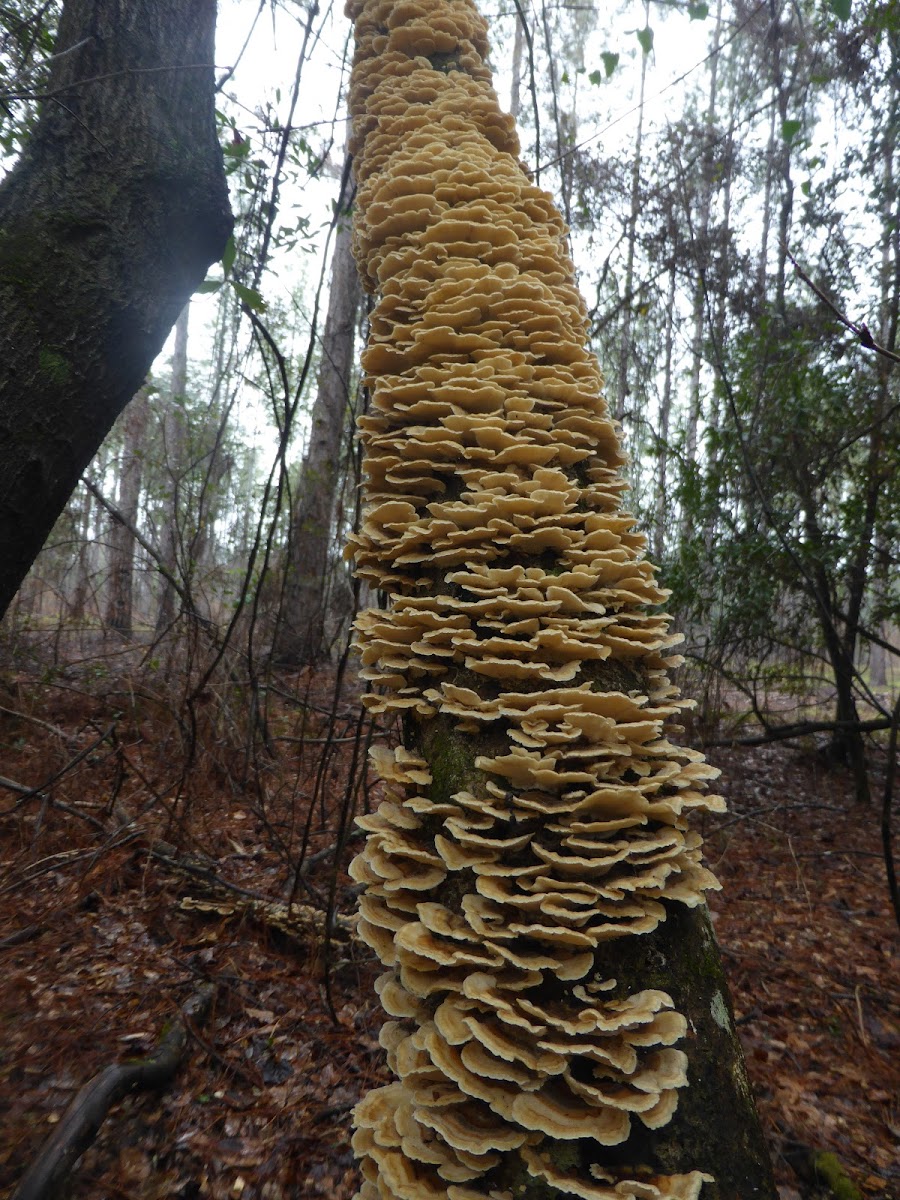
(12, 712)
(11, 786)
(67, 858)
(334, 741)
(839, 853)
(800, 877)
(183, 594)
(248, 1079)
(73, 762)
(335, 1110)
(860, 331)
(859, 1014)
(28, 934)
(747, 1017)
(53, 93)
(307, 864)
(208, 877)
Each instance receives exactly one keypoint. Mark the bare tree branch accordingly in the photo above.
(860, 331)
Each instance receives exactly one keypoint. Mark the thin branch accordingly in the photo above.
(12, 712)
(220, 83)
(55, 93)
(26, 792)
(532, 87)
(183, 594)
(21, 936)
(860, 331)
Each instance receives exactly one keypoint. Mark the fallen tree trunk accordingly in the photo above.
(87, 1112)
(784, 733)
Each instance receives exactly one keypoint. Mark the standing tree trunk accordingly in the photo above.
(515, 88)
(175, 464)
(702, 262)
(78, 588)
(120, 604)
(625, 349)
(665, 413)
(301, 632)
(561, 1025)
(107, 224)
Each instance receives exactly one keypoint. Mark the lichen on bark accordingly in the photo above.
(560, 1023)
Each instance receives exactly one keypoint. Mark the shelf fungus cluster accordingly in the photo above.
(538, 809)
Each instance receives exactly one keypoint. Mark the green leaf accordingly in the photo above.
(229, 256)
(238, 147)
(790, 129)
(698, 12)
(645, 37)
(595, 77)
(806, 187)
(250, 297)
(840, 8)
(565, 77)
(610, 62)
(208, 286)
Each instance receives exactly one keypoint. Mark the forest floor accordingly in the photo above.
(109, 922)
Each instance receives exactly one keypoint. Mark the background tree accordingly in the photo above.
(300, 635)
(176, 460)
(122, 542)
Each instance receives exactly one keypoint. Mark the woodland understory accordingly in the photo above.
(146, 863)
(178, 786)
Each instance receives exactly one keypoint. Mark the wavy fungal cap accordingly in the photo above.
(518, 615)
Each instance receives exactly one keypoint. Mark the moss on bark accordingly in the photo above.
(716, 1128)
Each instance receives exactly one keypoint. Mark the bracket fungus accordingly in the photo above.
(522, 626)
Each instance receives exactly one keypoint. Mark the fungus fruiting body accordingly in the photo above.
(522, 617)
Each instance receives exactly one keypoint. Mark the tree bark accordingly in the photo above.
(107, 224)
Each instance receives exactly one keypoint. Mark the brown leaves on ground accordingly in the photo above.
(811, 950)
(92, 872)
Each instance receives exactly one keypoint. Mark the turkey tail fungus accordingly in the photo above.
(560, 1025)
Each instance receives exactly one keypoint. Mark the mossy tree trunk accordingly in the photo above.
(561, 1024)
(716, 1127)
(107, 224)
